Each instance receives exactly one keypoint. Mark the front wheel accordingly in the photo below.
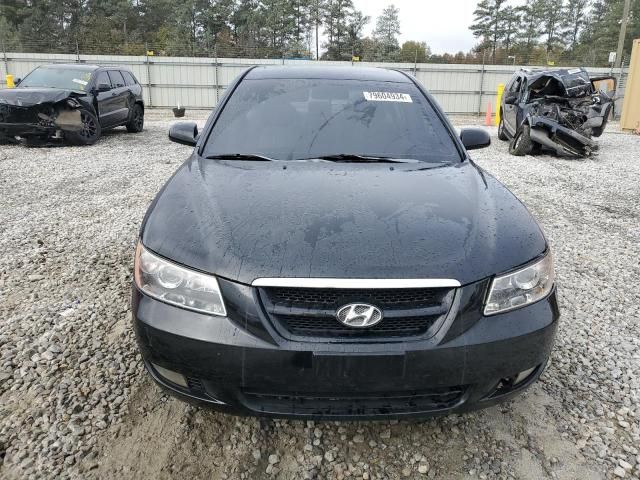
(90, 131)
(502, 135)
(521, 143)
(136, 122)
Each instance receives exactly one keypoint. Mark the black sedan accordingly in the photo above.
(74, 103)
(330, 250)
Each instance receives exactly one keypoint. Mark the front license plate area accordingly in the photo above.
(362, 369)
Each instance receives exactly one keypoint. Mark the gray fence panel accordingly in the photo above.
(200, 82)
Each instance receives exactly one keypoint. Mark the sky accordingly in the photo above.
(443, 24)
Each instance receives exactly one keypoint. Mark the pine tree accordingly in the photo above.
(386, 32)
(511, 22)
(488, 25)
(551, 23)
(574, 20)
(531, 14)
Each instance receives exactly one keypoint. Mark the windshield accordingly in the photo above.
(288, 119)
(64, 78)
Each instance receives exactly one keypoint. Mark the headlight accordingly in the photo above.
(177, 285)
(520, 288)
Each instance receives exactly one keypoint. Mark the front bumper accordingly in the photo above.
(24, 130)
(233, 365)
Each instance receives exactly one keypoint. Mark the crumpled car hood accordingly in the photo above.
(246, 220)
(27, 97)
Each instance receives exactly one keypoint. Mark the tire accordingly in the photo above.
(90, 133)
(136, 122)
(502, 135)
(521, 143)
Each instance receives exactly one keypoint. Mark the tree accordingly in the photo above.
(412, 51)
(386, 32)
(355, 27)
(531, 14)
(552, 20)
(574, 20)
(511, 22)
(317, 14)
(600, 35)
(488, 23)
(336, 26)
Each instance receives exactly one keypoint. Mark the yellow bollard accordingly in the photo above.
(498, 102)
(10, 82)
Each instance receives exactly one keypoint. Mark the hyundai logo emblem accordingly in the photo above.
(359, 315)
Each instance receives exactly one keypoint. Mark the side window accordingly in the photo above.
(103, 79)
(515, 86)
(128, 78)
(116, 79)
(523, 90)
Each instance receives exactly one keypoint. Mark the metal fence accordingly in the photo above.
(199, 82)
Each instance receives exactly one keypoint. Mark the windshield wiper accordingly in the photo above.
(354, 158)
(240, 156)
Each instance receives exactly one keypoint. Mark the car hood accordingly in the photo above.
(246, 220)
(27, 97)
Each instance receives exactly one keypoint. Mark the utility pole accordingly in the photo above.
(623, 32)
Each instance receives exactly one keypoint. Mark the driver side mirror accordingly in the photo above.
(103, 87)
(185, 133)
(16, 81)
(511, 98)
(474, 138)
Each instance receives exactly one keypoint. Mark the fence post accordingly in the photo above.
(618, 84)
(4, 56)
(415, 63)
(484, 53)
(215, 54)
(146, 61)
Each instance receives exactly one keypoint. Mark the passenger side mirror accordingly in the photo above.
(16, 81)
(474, 138)
(511, 98)
(103, 87)
(185, 133)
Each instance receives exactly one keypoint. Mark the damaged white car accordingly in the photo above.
(560, 110)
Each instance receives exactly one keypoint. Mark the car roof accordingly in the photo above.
(327, 72)
(540, 72)
(84, 66)
(71, 66)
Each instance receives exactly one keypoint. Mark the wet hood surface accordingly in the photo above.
(27, 97)
(245, 220)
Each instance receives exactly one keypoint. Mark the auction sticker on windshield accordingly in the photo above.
(387, 97)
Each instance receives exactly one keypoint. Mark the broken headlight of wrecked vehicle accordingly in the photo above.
(561, 110)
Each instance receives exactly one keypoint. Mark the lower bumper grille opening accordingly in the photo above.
(195, 385)
(356, 405)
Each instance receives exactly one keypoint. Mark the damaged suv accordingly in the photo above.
(74, 103)
(560, 110)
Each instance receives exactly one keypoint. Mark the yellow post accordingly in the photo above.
(499, 101)
(10, 82)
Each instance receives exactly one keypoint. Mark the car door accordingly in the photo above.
(120, 97)
(105, 98)
(509, 112)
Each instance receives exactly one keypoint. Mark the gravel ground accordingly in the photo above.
(75, 402)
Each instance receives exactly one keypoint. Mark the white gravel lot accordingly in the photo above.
(75, 402)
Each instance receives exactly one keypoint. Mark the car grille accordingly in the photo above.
(301, 313)
(340, 404)
(17, 114)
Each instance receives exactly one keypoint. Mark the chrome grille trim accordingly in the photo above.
(356, 283)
